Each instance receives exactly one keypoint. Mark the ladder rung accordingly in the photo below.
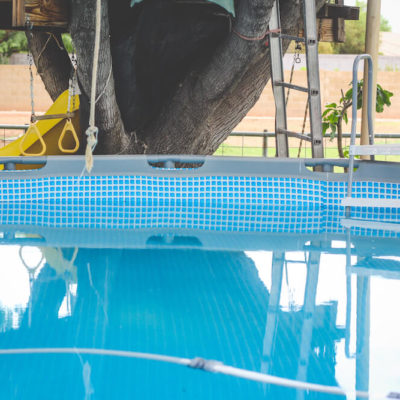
(291, 86)
(290, 37)
(375, 149)
(362, 223)
(294, 134)
(52, 116)
(367, 202)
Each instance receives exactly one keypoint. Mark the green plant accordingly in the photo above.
(336, 113)
(392, 68)
(355, 33)
(11, 42)
(67, 41)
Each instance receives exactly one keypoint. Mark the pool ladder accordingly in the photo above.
(366, 150)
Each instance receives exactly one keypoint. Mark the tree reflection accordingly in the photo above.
(178, 302)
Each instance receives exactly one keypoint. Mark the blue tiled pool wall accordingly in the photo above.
(246, 204)
(195, 190)
(236, 218)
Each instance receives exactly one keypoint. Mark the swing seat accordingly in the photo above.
(42, 138)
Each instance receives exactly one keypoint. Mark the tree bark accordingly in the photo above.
(173, 77)
(112, 135)
(208, 105)
(184, 123)
(51, 60)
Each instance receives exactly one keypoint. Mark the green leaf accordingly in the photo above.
(325, 126)
(332, 105)
(345, 118)
(333, 118)
(326, 112)
(349, 94)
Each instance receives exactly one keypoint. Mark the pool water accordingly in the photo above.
(305, 305)
(251, 263)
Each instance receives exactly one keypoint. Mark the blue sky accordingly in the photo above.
(390, 10)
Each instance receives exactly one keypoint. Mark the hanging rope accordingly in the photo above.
(51, 35)
(92, 131)
(30, 62)
(256, 38)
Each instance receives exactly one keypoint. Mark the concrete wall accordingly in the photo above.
(331, 84)
(15, 89)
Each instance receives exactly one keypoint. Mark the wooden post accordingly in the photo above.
(372, 48)
(330, 21)
(18, 14)
(339, 26)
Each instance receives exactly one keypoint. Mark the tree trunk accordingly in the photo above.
(51, 60)
(174, 77)
(112, 135)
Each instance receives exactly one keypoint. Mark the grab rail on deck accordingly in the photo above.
(10, 163)
(370, 149)
(354, 112)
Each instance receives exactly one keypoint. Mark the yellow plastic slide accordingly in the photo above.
(48, 132)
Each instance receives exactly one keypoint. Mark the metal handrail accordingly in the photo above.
(354, 112)
(327, 135)
(14, 127)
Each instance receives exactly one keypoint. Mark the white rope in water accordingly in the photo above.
(92, 131)
(196, 363)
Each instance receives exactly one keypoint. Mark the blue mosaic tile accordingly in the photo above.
(164, 190)
(200, 202)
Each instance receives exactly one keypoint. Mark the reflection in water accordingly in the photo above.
(182, 303)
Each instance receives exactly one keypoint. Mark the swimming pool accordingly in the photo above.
(253, 265)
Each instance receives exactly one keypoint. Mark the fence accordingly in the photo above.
(252, 144)
(9, 133)
(262, 144)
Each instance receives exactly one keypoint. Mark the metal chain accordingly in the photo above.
(296, 60)
(30, 61)
(29, 26)
(75, 78)
(72, 83)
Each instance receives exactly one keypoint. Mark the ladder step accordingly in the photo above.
(294, 134)
(368, 271)
(291, 86)
(289, 37)
(376, 225)
(375, 149)
(365, 202)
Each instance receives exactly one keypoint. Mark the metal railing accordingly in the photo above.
(10, 132)
(264, 147)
